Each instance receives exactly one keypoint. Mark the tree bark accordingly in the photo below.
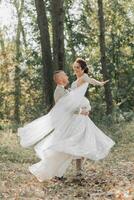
(69, 27)
(46, 53)
(57, 13)
(108, 94)
(23, 35)
(17, 68)
(2, 42)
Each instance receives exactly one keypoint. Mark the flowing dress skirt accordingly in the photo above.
(72, 136)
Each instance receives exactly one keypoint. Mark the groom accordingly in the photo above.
(61, 80)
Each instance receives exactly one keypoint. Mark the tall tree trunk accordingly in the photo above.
(2, 42)
(23, 35)
(69, 27)
(19, 8)
(108, 94)
(57, 13)
(46, 53)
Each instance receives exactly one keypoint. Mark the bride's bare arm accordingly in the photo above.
(92, 81)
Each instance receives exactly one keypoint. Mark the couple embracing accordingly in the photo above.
(66, 132)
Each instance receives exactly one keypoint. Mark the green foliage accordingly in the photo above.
(81, 39)
(119, 52)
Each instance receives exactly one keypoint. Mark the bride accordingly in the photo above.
(61, 135)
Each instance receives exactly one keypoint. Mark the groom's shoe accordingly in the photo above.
(79, 173)
(78, 176)
(62, 178)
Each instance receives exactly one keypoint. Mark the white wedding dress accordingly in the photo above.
(72, 136)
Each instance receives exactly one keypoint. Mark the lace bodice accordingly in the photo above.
(85, 104)
(86, 79)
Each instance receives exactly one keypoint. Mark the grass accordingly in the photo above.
(111, 178)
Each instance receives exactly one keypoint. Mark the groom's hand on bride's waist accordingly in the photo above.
(81, 112)
(84, 112)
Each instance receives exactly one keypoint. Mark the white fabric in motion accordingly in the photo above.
(60, 113)
(73, 136)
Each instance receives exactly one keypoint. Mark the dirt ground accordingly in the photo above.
(108, 179)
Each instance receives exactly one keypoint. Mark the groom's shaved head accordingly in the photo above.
(60, 77)
(56, 74)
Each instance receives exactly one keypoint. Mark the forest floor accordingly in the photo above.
(109, 179)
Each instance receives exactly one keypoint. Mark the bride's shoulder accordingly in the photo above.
(74, 84)
(85, 77)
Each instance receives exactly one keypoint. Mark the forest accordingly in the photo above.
(46, 36)
(38, 37)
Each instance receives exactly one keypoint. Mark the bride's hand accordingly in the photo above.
(103, 82)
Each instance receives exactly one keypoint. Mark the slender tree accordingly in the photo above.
(23, 34)
(108, 94)
(57, 13)
(2, 45)
(69, 29)
(19, 8)
(46, 52)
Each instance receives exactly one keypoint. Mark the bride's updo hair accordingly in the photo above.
(83, 64)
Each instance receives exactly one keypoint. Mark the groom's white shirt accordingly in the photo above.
(59, 92)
